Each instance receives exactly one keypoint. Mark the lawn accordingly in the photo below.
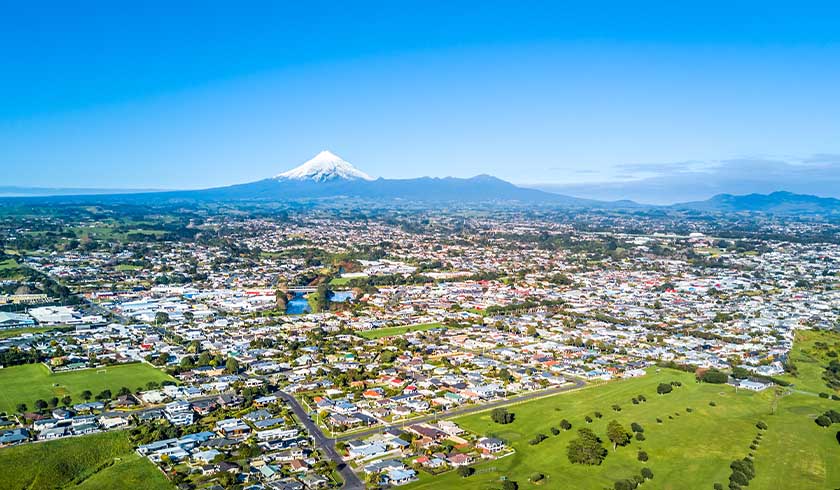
(105, 460)
(340, 281)
(688, 450)
(388, 332)
(30, 382)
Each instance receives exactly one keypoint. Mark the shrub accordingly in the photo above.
(718, 486)
(658, 421)
(761, 425)
(647, 474)
(510, 485)
(640, 436)
(598, 415)
(537, 439)
(616, 407)
(535, 477)
(636, 427)
(555, 431)
(664, 388)
(565, 425)
(823, 394)
(642, 456)
(823, 421)
(465, 471)
(712, 404)
(689, 410)
(588, 419)
(635, 401)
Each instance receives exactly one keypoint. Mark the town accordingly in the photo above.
(316, 351)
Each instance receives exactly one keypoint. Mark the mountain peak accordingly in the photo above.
(325, 166)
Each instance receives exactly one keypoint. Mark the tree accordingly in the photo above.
(761, 425)
(588, 419)
(636, 427)
(565, 425)
(124, 391)
(643, 456)
(739, 478)
(714, 376)
(598, 415)
(465, 471)
(53, 402)
(87, 395)
(664, 388)
(21, 408)
(161, 317)
(501, 416)
(647, 474)
(586, 448)
(617, 434)
(40, 404)
(231, 366)
(66, 401)
(823, 421)
(510, 485)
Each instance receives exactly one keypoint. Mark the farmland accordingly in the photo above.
(92, 462)
(30, 382)
(688, 449)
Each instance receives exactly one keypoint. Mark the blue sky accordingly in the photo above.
(197, 95)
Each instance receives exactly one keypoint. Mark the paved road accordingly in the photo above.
(351, 481)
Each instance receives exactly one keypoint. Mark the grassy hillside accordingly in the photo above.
(96, 461)
(688, 449)
(30, 382)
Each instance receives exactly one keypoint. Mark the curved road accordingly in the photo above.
(351, 480)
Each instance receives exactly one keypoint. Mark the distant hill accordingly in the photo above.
(774, 203)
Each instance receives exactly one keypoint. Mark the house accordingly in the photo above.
(13, 436)
(460, 459)
(401, 477)
(754, 385)
(490, 444)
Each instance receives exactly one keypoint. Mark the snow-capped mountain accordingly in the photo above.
(325, 166)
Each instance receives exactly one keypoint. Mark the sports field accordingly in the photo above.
(387, 332)
(98, 461)
(687, 450)
(30, 382)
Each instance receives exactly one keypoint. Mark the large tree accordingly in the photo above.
(586, 448)
(617, 434)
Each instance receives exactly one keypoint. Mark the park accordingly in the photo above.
(31, 382)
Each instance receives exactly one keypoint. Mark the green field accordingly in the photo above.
(340, 281)
(691, 450)
(388, 332)
(30, 382)
(98, 461)
(14, 332)
(809, 360)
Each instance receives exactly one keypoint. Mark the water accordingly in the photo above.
(341, 296)
(298, 305)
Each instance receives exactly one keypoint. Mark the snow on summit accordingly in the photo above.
(324, 167)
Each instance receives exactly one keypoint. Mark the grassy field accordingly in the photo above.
(340, 281)
(98, 461)
(14, 332)
(688, 450)
(30, 382)
(810, 360)
(387, 332)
